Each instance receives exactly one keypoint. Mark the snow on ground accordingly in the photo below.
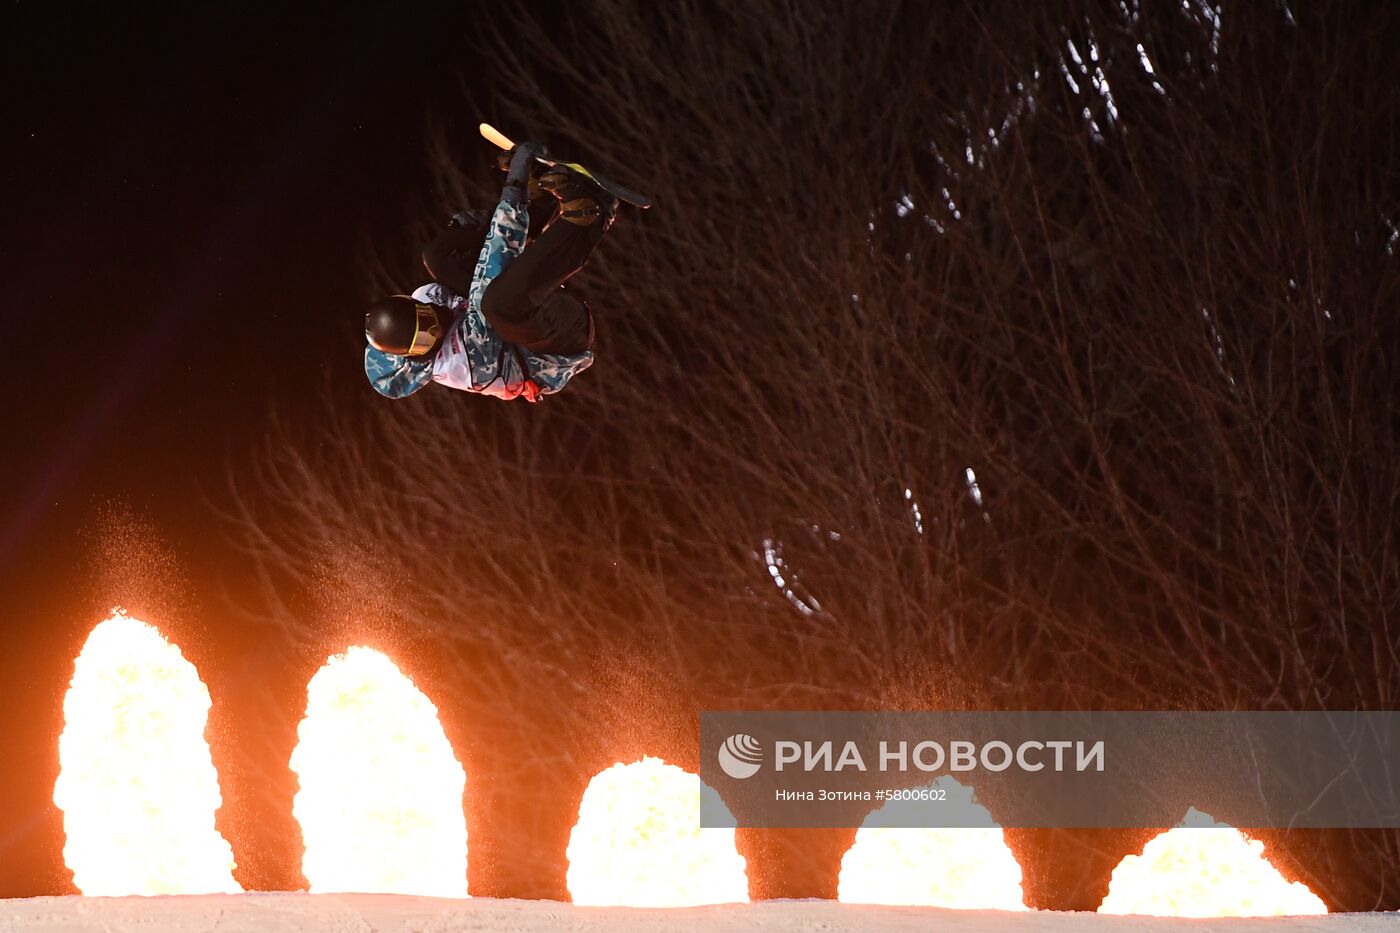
(385, 913)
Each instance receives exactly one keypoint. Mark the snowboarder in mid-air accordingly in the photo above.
(497, 320)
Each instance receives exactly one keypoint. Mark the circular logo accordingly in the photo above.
(740, 756)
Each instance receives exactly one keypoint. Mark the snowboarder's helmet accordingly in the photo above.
(402, 326)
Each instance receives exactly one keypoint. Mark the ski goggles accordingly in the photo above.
(426, 329)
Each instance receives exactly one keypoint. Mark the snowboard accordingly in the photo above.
(621, 192)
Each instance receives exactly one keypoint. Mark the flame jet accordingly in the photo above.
(380, 798)
(1205, 869)
(638, 843)
(136, 782)
(896, 860)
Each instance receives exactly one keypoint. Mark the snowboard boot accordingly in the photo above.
(582, 201)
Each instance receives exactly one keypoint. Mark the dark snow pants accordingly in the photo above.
(526, 304)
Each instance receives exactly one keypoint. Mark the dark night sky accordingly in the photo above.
(186, 198)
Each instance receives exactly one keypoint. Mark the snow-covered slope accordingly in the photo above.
(377, 913)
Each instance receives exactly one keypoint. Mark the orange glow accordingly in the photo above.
(638, 843)
(962, 868)
(1205, 872)
(380, 798)
(136, 782)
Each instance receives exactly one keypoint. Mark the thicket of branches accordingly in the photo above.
(1036, 355)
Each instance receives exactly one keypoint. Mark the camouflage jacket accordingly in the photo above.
(473, 357)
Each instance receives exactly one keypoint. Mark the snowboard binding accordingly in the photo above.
(582, 200)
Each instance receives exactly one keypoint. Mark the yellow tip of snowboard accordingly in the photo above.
(495, 136)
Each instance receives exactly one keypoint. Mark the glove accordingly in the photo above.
(522, 157)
